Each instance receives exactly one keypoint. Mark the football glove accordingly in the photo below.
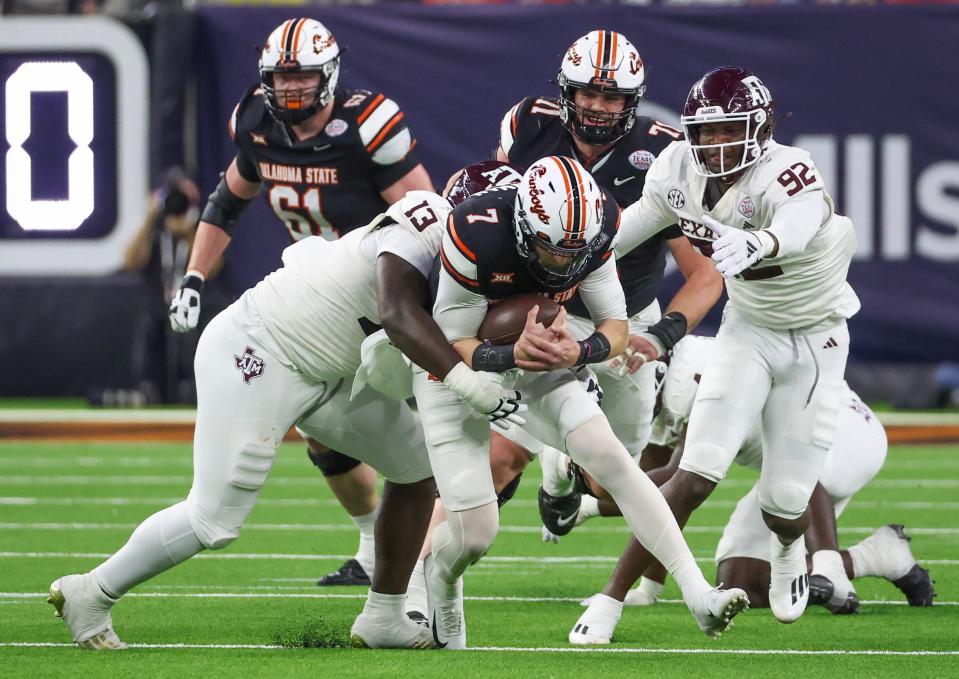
(484, 393)
(736, 250)
(587, 378)
(185, 307)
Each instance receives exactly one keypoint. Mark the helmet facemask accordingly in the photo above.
(757, 132)
(614, 125)
(293, 111)
(575, 255)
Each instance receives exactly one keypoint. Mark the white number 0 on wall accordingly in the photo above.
(50, 215)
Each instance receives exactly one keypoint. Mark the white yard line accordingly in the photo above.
(543, 649)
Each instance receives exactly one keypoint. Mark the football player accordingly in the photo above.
(602, 79)
(742, 554)
(284, 353)
(552, 234)
(761, 211)
(328, 160)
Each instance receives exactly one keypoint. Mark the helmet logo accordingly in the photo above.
(573, 57)
(320, 43)
(635, 63)
(536, 205)
(676, 198)
(747, 208)
(603, 82)
(758, 94)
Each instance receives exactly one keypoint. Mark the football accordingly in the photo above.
(506, 318)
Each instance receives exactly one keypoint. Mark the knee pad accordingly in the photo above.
(785, 499)
(332, 463)
(463, 538)
(217, 524)
(509, 490)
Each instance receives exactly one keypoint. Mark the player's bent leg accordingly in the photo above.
(458, 542)
(401, 528)
(649, 516)
(886, 554)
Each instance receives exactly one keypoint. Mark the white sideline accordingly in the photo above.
(17, 500)
(362, 595)
(535, 649)
(322, 527)
(335, 557)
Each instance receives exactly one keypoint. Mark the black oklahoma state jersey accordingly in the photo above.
(484, 258)
(532, 129)
(329, 184)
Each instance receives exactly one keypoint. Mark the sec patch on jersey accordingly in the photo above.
(506, 318)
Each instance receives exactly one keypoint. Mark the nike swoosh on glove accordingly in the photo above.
(735, 250)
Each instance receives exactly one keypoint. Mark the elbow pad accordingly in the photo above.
(223, 207)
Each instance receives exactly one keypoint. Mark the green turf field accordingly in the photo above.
(243, 611)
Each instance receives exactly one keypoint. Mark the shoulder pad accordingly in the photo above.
(381, 126)
(525, 119)
(247, 111)
(424, 214)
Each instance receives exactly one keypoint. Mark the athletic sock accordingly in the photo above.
(416, 590)
(366, 552)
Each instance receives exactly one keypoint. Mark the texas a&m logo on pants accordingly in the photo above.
(249, 364)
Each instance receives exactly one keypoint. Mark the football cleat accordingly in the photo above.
(369, 631)
(85, 609)
(446, 620)
(350, 573)
(715, 609)
(915, 583)
(838, 598)
(558, 513)
(917, 586)
(597, 624)
(788, 580)
(418, 617)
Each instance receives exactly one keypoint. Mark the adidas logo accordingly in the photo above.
(830, 344)
(799, 586)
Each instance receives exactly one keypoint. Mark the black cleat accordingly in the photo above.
(559, 513)
(350, 573)
(917, 586)
(822, 592)
(418, 618)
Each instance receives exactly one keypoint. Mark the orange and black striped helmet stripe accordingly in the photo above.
(290, 40)
(605, 60)
(577, 212)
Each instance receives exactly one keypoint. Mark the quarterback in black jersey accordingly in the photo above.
(554, 233)
(328, 160)
(602, 79)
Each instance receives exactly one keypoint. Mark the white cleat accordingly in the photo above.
(715, 609)
(597, 624)
(370, 631)
(85, 609)
(447, 621)
(788, 581)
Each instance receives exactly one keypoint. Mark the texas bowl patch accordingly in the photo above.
(336, 127)
(641, 159)
(746, 207)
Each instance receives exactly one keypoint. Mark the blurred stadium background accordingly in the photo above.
(867, 87)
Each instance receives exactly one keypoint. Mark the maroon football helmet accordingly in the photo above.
(728, 94)
(481, 176)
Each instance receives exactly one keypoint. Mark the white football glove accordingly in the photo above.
(484, 392)
(736, 250)
(590, 382)
(185, 307)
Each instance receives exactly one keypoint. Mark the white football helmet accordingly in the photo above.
(558, 220)
(295, 46)
(604, 61)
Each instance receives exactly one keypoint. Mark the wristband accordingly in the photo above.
(493, 358)
(593, 349)
(193, 280)
(669, 329)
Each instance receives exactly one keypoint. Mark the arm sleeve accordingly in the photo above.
(796, 221)
(246, 166)
(458, 312)
(603, 294)
(650, 214)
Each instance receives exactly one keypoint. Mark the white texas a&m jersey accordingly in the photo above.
(322, 303)
(780, 293)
